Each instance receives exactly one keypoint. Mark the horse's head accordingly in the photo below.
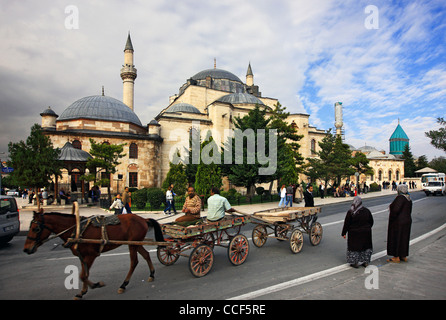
(37, 234)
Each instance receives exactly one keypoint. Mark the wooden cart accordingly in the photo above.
(201, 239)
(279, 222)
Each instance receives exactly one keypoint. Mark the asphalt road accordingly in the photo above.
(46, 274)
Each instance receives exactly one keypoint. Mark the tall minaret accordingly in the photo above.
(338, 118)
(128, 74)
(249, 76)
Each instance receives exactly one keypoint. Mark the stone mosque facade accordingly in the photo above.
(207, 101)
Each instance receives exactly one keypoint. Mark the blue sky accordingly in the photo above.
(308, 54)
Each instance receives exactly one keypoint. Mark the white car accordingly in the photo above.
(12, 192)
(9, 219)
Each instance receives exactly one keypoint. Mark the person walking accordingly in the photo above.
(126, 200)
(400, 223)
(358, 225)
(169, 198)
(282, 196)
(117, 204)
(308, 196)
(289, 195)
(173, 199)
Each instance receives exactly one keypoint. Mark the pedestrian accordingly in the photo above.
(191, 207)
(282, 196)
(169, 198)
(289, 195)
(126, 200)
(358, 225)
(321, 190)
(308, 196)
(173, 199)
(400, 222)
(117, 204)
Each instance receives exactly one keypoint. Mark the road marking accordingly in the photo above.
(321, 274)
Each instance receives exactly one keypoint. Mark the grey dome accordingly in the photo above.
(216, 74)
(100, 108)
(49, 112)
(240, 98)
(69, 153)
(183, 107)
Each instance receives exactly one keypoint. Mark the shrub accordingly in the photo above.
(374, 187)
(260, 190)
(156, 197)
(139, 198)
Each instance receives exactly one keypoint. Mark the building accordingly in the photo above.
(398, 141)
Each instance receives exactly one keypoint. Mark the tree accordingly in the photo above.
(438, 164)
(105, 158)
(361, 164)
(244, 168)
(438, 137)
(177, 177)
(409, 162)
(422, 162)
(34, 161)
(208, 172)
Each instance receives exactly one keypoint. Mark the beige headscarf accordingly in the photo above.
(403, 190)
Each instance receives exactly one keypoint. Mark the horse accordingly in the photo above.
(130, 228)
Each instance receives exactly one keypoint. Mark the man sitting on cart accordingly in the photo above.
(191, 207)
(217, 206)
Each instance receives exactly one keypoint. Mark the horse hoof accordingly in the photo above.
(151, 279)
(121, 290)
(77, 297)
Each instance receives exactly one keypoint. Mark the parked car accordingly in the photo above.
(9, 219)
(12, 192)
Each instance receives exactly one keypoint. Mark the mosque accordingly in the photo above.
(208, 101)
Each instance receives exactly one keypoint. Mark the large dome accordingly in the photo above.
(216, 74)
(240, 98)
(100, 108)
(183, 107)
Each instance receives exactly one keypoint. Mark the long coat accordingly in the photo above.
(308, 198)
(400, 222)
(359, 229)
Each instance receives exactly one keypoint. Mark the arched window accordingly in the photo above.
(133, 151)
(77, 144)
(397, 175)
(390, 175)
(313, 146)
(380, 175)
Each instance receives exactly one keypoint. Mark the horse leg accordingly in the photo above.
(142, 251)
(133, 264)
(86, 264)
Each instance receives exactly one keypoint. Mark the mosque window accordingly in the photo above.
(133, 151)
(390, 175)
(380, 175)
(77, 144)
(133, 179)
(397, 175)
(313, 146)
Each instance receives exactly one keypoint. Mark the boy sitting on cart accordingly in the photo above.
(217, 206)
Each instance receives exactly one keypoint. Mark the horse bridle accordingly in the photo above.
(39, 229)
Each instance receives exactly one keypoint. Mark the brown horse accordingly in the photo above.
(131, 228)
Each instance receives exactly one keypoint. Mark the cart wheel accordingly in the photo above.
(259, 236)
(296, 241)
(238, 249)
(315, 233)
(167, 255)
(201, 260)
(209, 239)
(280, 230)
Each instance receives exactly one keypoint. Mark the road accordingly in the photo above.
(44, 275)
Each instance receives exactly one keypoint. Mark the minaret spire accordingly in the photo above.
(128, 74)
(249, 76)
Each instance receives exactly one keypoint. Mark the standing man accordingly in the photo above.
(308, 196)
(217, 206)
(289, 195)
(126, 200)
(191, 207)
(173, 199)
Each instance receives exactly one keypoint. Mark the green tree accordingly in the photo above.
(105, 159)
(208, 171)
(422, 162)
(360, 164)
(34, 161)
(409, 162)
(177, 177)
(438, 164)
(438, 137)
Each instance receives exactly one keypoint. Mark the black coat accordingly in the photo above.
(309, 200)
(359, 229)
(400, 222)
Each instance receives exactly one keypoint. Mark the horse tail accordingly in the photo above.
(157, 229)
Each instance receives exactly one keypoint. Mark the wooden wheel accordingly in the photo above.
(167, 255)
(315, 233)
(259, 235)
(209, 239)
(201, 260)
(296, 241)
(238, 249)
(280, 230)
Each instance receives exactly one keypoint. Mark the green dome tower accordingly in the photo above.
(398, 140)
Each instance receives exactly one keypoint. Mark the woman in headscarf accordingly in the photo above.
(358, 225)
(400, 222)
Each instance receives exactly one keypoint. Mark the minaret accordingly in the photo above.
(128, 74)
(249, 76)
(338, 118)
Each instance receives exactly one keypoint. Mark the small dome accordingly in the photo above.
(49, 112)
(70, 153)
(183, 107)
(367, 149)
(240, 98)
(100, 108)
(216, 74)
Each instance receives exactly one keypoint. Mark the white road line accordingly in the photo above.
(321, 274)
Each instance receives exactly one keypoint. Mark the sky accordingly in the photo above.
(384, 60)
